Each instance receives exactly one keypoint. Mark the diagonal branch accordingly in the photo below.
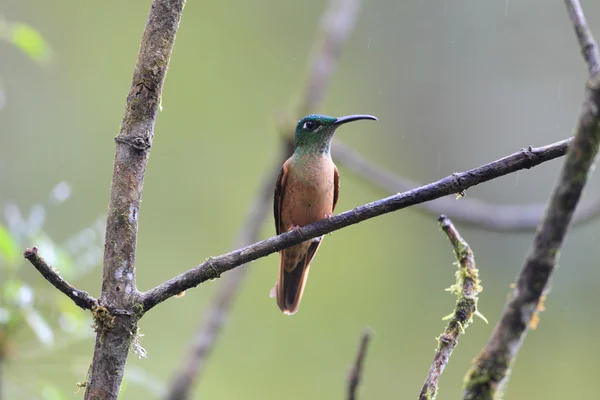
(213, 267)
(589, 48)
(468, 211)
(355, 375)
(489, 374)
(467, 288)
(79, 297)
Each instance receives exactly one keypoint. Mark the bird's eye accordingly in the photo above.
(310, 125)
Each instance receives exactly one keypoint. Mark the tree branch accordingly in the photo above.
(213, 267)
(132, 150)
(355, 375)
(489, 373)
(467, 288)
(468, 211)
(79, 297)
(589, 48)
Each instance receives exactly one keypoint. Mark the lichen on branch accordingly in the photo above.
(466, 288)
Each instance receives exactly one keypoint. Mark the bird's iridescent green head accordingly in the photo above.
(315, 132)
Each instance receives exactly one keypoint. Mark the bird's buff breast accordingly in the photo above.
(309, 196)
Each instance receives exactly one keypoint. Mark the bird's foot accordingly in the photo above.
(296, 228)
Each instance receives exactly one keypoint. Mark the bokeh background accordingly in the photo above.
(455, 84)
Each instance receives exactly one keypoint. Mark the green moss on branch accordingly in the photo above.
(466, 288)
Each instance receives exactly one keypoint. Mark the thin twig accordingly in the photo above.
(117, 334)
(467, 211)
(589, 48)
(467, 288)
(334, 28)
(489, 374)
(213, 267)
(355, 375)
(79, 297)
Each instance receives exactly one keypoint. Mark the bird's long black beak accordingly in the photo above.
(350, 118)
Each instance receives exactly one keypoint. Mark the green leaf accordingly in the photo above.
(9, 250)
(28, 40)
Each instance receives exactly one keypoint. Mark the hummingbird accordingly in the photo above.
(307, 191)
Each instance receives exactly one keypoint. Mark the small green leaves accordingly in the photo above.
(9, 250)
(28, 40)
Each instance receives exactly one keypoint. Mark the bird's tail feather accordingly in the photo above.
(294, 265)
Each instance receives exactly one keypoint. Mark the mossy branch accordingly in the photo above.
(490, 371)
(467, 287)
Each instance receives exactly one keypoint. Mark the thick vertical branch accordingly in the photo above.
(119, 293)
(491, 368)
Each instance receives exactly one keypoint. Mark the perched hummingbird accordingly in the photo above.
(306, 191)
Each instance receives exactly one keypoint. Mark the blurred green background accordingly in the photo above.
(455, 84)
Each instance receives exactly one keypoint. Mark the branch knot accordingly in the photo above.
(528, 152)
(212, 271)
(458, 184)
(138, 142)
